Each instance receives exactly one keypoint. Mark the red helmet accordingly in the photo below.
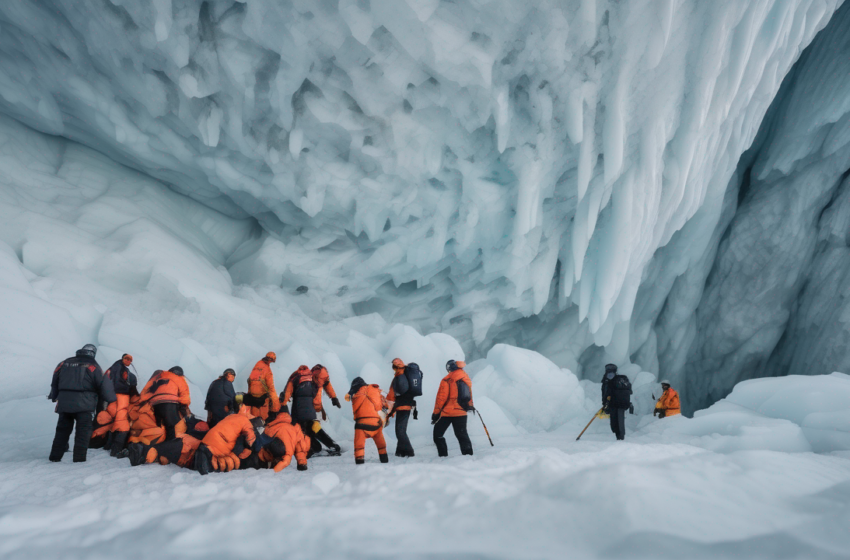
(272, 357)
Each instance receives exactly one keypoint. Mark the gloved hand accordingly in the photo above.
(302, 467)
(434, 418)
(631, 409)
(335, 402)
(416, 414)
(655, 412)
(662, 413)
(272, 415)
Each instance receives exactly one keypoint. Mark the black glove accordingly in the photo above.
(434, 418)
(271, 416)
(335, 402)
(631, 409)
(661, 413)
(416, 414)
(655, 412)
(302, 467)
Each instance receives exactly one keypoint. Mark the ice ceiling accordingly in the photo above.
(580, 177)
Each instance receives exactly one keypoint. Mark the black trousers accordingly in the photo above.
(403, 447)
(64, 427)
(215, 419)
(458, 423)
(167, 415)
(618, 421)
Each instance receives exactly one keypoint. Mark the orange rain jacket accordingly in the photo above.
(293, 439)
(222, 438)
(446, 404)
(669, 403)
(323, 381)
(261, 383)
(167, 387)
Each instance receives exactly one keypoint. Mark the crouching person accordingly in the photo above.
(367, 405)
(287, 439)
(227, 444)
(179, 451)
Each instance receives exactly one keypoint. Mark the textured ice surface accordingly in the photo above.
(497, 170)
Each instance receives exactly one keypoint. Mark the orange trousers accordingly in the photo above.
(360, 441)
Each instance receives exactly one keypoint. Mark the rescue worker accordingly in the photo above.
(170, 399)
(77, 385)
(323, 382)
(453, 402)
(301, 388)
(369, 409)
(179, 451)
(400, 408)
(124, 382)
(287, 440)
(220, 397)
(616, 399)
(668, 404)
(226, 445)
(144, 427)
(262, 396)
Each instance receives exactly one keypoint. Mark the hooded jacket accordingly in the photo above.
(261, 383)
(223, 437)
(366, 403)
(78, 383)
(167, 387)
(302, 389)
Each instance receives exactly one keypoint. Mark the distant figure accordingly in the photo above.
(77, 385)
(367, 406)
(402, 395)
(616, 399)
(668, 404)
(220, 398)
(124, 383)
(262, 396)
(454, 400)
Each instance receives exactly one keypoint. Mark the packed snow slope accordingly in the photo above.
(737, 481)
(497, 170)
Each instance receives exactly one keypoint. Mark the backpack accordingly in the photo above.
(621, 394)
(464, 395)
(412, 383)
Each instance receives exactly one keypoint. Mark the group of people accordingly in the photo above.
(617, 397)
(256, 429)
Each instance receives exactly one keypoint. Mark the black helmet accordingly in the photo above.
(610, 368)
(229, 370)
(176, 370)
(451, 366)
(89, 350)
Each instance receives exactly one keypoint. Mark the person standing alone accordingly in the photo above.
(77, 385)
(616, 399)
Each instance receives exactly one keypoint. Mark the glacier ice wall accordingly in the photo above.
(555, 174)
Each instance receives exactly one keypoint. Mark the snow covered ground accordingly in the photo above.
(711, 487)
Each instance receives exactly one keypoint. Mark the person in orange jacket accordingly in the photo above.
(367, 405)
(301, 388)
(668, 404)
(179, 451)
(401, 407)
(143, 425)
(262, 396)
(288, 439)
(168, 394)
(227, 444)
(454, 400)
(322, 380)
(124, 382)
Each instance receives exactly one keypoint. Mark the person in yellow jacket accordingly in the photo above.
(668, 404)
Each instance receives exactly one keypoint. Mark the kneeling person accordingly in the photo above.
(227, 444)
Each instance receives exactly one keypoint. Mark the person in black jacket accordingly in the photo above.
(221, 398)
(124, 382)
(77, 385)
(616, 399)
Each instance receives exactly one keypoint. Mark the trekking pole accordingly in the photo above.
(589, 423)
(486, 431)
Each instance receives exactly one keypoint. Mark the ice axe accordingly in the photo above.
(589, 423)
(486, 431)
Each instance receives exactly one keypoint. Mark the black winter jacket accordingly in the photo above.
(220, 398)
(123, 380)
(77, 385)
(302, 399)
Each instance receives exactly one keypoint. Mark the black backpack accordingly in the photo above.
(464, 395)
(621, 394)
(412, 383)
